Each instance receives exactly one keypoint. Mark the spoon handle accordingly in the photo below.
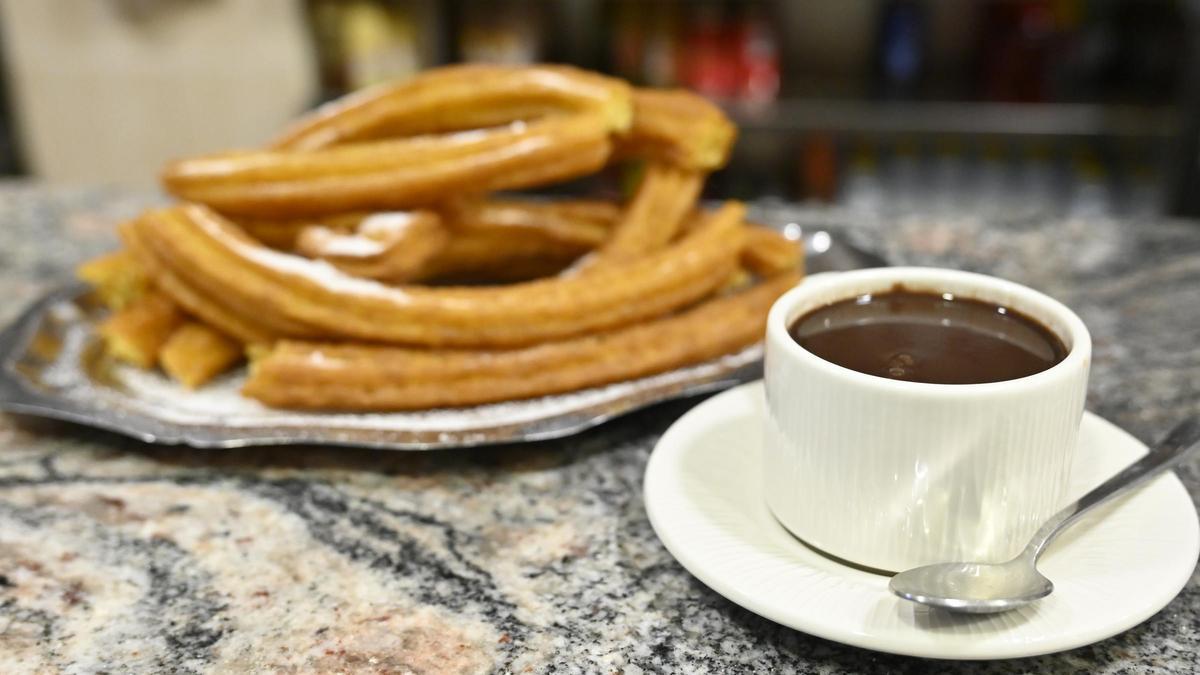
(1167, 453)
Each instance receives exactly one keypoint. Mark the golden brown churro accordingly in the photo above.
(195, 353)
(396, 174)
(190, 299)
(358, 377)
(385, 246)
(282, 234)
(664, 198)
(678, 126)
(116, 278)
(462, 97)
(768, 252)
(583, 223)
(136, 333)
(279, 290)
(499, 257)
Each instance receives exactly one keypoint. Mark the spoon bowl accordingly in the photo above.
(977, 588)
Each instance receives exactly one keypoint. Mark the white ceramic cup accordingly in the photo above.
(894, 474)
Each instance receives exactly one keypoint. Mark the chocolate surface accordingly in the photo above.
(928, 337)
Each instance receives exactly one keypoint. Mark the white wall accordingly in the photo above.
(108, 90)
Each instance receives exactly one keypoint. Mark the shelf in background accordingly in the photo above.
(1020, 119)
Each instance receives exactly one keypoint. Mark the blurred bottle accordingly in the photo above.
(325, 20)
(501, 32)
(660, 67)
(1015, 52)
(947, 176)
(993, 189)
(709, 63)
(861, 188)
(1089, 184)
(378, 43)
(900, 45)
(818, 168)
(1149, 39)
(902, 175)
(758, 55)
(1034, 181)
(628, 39)
(1141, 182)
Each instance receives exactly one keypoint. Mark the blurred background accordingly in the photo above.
(1083, 107)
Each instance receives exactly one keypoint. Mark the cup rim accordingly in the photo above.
(1078, 355)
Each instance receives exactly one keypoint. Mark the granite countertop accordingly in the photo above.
(121, 557)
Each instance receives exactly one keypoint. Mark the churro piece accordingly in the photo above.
(195, 353)
(583, 223)
(497, 256)
(282, 291)
(460, 97)
(116, 278)
(395, 174)
(193, 301)
(664, 198)
(678, 126)
(136, 333)
(505, 240)
(385, 246)
(767, 252)
(282, 234)
(359, 377)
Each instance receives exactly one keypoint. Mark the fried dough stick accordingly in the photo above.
(653, 217)
(386, 246)
(358, 377)
(583, 223)
(195, 302)
(282, 234)
(136, 333)
(116, 277)
(294, 296)
(680, 127)
(196, 352)
(455, 98)
(392, 174)
(768, 252)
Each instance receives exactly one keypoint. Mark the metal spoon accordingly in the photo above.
(982, 588)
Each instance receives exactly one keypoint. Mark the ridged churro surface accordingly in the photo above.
(280, 290)
(340, 377)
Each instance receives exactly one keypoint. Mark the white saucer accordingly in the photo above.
(1111, 572)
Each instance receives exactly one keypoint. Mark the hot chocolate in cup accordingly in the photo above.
(889, 472)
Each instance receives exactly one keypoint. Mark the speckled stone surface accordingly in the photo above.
(120, 557)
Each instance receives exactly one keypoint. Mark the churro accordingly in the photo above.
(280, 290)
(678, 126)
(193, 301)
(385, 246)
(282, 234)
(664, 198)
(359, 377)
(583, 223)
(460, 97)
(136, 333)
(393, 174)
(116, 278)
(767, 252)
(195, 353)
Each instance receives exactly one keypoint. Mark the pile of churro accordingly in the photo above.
(379, 256)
